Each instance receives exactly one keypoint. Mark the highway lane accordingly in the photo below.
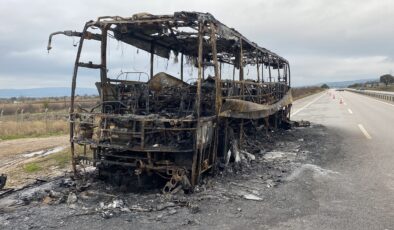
(361, 195)
(302, 103)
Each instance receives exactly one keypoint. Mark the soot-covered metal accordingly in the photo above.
(165, 126)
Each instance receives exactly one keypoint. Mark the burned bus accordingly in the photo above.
(165, 125)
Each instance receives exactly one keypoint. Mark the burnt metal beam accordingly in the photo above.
(87, 35)
(89, 65)
(269, 71)
(103, 66)
(258, 70)
(278, 70)
(262, 70)
(73, 85)
(288, 65)
(182, 66)
(195, 167)
(218, 90)
(152, 54)
(241, 63)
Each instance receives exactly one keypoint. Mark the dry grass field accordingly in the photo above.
(26, 117)
(39, 128)
(389, 88)
(31, 105)
(300, 92)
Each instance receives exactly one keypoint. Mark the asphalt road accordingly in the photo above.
(361, 193)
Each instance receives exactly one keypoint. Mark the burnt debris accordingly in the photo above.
(3, 180)
(165, 126)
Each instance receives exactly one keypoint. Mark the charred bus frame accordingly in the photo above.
(131, 130)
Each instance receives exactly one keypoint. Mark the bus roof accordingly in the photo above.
(179, 32)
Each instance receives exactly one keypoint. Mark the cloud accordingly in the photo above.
(320, 69)
(324, 40)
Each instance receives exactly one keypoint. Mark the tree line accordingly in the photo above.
(386, 79)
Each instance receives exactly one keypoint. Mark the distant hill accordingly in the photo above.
(344, 84)
(45, 92)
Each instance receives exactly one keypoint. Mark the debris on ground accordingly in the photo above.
(301, 123)
(3, 180)
(252, 197)
(72, 198)
(270, 156)
(317, 171)
(240, 156)
(274, 161)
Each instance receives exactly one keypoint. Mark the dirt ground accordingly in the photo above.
(257, 195)
(15, 154)
(12, 149)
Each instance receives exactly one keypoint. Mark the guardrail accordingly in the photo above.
(380, 95)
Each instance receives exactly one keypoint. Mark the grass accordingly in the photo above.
(43, 167)
(14, 130)
(302, 92)
(29, 105)
(50, 166)
(19, 136)
(31, 167)
(389, 88)
(61, 159)
(58, 160)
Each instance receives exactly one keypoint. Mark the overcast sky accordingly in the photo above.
(324, 40)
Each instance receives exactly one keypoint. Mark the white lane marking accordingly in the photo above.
(310, 103)
(364, 131)
(350, 111)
